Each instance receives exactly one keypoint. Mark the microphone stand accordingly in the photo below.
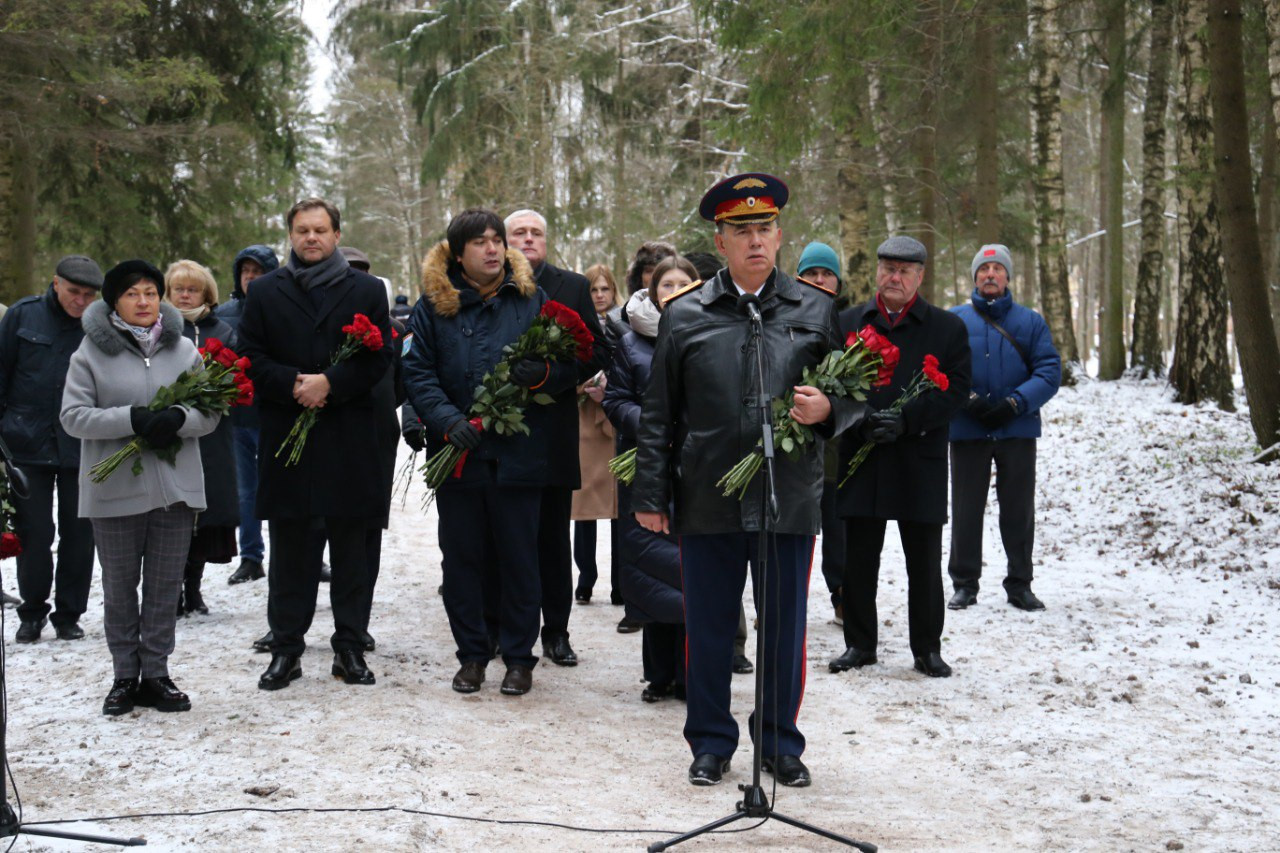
(754, 803)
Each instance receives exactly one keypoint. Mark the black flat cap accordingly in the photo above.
(80, 270)
(900, 247)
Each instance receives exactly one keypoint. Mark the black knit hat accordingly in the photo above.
(125, 274)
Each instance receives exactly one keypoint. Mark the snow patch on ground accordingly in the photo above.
(1138, 711)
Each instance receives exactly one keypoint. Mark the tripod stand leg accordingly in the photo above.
(657, 846)
(799, 824)
(26, 829)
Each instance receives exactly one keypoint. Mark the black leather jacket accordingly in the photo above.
(700, 417)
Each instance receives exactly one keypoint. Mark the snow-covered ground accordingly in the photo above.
(1139, 712)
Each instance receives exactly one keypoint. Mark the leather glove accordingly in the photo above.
(1000, 414)
(140, 418)
(886, 426)
(528, 372)
(416, 438)
(462, 434)
(162, 432)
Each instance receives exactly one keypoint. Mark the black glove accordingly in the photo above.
(462, 434)
(416, 438)
(1000, 414)
(529, 372)
(978, 407)
(140, 418)
(886, 426)
(162, 432)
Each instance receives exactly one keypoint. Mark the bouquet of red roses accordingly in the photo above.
(556, 334)
(361, 334)
(213, 388)
(10, 545)
(928, 378)
(867, 359)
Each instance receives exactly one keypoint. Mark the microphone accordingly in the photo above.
(749, 304)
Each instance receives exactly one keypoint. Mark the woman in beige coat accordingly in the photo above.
(598, 497)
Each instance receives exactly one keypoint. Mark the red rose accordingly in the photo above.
(212, 346)
(241, 381)
(850, 339)
(245, 398)
(243, 364)
(564, 316)
(225, 357)
(10, 545)
(203, 353)
(394, 333)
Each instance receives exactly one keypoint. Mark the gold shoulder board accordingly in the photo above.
(682, 291)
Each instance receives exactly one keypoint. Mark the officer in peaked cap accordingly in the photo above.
(701, 415)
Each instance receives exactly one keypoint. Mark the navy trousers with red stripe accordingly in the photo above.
(714, 569)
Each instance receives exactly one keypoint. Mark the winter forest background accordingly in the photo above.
(1124, 149)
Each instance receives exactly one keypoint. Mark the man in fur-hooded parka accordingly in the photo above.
(458, 329)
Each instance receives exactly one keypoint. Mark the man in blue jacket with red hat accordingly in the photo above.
(1016, 370)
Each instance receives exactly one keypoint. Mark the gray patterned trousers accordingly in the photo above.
(151, 547)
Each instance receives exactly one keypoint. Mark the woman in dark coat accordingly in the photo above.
(191, 288)
(649, 564)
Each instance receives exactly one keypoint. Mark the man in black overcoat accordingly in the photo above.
(292, 325)
(527, 231)
(905, 476)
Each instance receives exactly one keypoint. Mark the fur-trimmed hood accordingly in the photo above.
(440, 290)
(106, 337)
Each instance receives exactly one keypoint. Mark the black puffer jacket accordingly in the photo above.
(37, 339)
(649, 568)
(700, 415)
(217, 449)
(458, 338)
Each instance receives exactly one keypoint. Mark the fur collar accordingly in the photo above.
(439, 289)
(106, 337)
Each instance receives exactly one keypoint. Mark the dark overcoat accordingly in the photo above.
(571, 289)
(284, 333)
(907, 479)
(217, 449)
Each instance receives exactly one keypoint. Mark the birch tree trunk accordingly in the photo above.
(1200, 369)
(1046, 140)
(1111, 323)
(1148, 350)
(875, 94)
(986, 93)
(1233, 180)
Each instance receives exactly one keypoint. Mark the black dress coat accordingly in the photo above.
(217, 449)
(571, 289)
(284, 333)
(907, 479)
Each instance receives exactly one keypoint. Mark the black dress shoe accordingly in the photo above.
(852, 659)
(582, 596)
(161, 694)
(1025, 599)
(469, 677)
(741, 665)
(933, 666)
(708, 769)
(656, 692)
(349, 665)
(282, 669)
(29, 630)
(517, 681)
(560, 652)
(962, 599)
(120, 699)
(263, 643)
(248, 570)
(366, 640)
(789, 770)
(72, 631)
(627, 625)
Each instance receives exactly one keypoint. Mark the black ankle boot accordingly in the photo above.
(193, 601)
